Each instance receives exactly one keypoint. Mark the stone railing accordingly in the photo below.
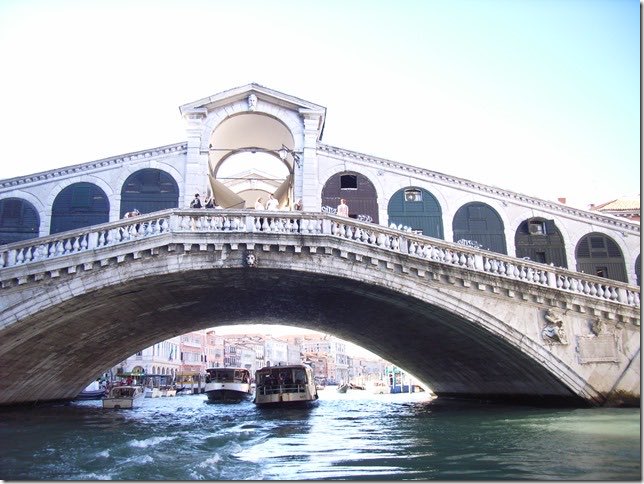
(321, 224)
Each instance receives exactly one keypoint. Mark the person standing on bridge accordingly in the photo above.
(343, 208)
(196, 202)
(272, 203)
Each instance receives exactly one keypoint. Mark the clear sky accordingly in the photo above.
(537, 96)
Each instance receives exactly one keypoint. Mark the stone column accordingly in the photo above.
(196, 169)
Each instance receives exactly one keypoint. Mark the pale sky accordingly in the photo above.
(541, 97)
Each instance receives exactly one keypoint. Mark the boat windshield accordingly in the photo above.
(227, 375)
(285, 380)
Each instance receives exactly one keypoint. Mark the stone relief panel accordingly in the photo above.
(553, 332)
(600, 346)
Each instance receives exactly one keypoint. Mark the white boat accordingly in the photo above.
(228, 384)
(168, 391)
(93, 391)
(153, 392)
(285, 385)
(123, 396)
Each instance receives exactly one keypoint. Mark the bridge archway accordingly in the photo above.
(78, 205)
(19, 220)
(598, 254)
(479, 223)
(540, 240)
(416, 208)
(357, 190)
(149, 190)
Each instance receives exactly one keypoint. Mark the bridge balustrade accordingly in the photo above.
(132, 230)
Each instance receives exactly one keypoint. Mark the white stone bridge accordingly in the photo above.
(469, 323)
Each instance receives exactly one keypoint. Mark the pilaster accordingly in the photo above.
(196, 169)
(307, 183)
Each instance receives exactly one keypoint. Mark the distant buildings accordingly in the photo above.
(187, 356)
(625, 207)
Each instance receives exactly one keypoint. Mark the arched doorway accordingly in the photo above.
(540, 240)
(79, 205)
(480, 225)
(357, 190)
(416, 208)
(599, 255)
(19, 220)
(149, 190)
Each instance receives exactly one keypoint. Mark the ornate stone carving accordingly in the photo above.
(251, 259)
(553, 332)
(252, 102)
(598, 327)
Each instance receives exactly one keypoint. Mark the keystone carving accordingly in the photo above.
(251, 259)
(553, 332)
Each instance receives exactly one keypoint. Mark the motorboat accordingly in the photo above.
(123, 396)
(342, 388)
(93, 391)
(285, 385)
(228, 385)
(168, 391)
(152, 392)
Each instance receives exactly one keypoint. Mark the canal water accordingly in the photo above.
(355, 436)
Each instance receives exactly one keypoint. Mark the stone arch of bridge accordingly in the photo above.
(456, 347)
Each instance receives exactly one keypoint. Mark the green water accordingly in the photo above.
(353, 436)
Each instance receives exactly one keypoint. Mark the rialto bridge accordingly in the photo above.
(78, 295)
(469, 322)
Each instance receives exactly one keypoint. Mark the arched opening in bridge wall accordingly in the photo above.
(149, 190)
(540, 240)
(600, 255)
(254, 175)
(480, 225)
(79, 205)
(19, 220)
(247, 145)
(416, 208)
(638, 271)
(357, 190)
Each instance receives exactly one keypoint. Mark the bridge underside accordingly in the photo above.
(455, 357)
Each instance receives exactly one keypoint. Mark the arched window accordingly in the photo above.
(416, 208)
(599, 255)
(480, 225)
(79, 205)
(540, 240)
(19, 220)
(357, 190)
(149, 190)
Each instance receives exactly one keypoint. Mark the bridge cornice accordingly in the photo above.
(464, 184)
(450, 264)
(84, 168)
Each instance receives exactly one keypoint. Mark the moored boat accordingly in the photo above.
(285, 385)
(123, 396)
(93, 391)
(228, 384)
